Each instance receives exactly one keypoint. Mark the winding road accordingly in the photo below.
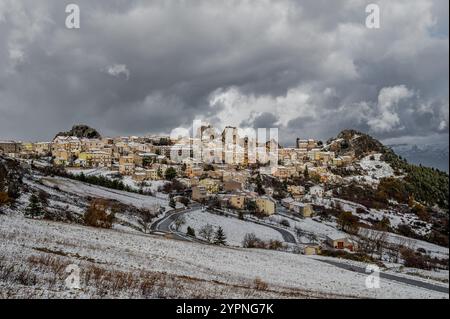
(287, 235)
(163, 225)
(404, 280)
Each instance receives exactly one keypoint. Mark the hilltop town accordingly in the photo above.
(348, 199)
(144, 159)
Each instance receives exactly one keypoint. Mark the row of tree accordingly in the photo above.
(207, 232)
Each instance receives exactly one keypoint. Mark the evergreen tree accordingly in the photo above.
(34, 208)
(172, 203)
(251, 206)
(170, 174)
(306, 173)
(220, 238)
(190, 231)
(259, 188)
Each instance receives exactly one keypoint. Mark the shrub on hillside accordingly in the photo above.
(259, 284)
(406, 230)
(219, 237)
(421, 212)
(285, 223)
(4, 198)
(348, 222)
(99, 214)
(207, 233)
(414, 259)
(394, 188)
(275, 245)
(190, 231)
(251, 241)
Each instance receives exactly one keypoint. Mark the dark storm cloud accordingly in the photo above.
(264, 120)
(309, 67)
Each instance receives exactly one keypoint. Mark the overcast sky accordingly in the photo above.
(310, 68)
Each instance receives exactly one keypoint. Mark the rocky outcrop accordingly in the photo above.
(352, 142)
(81, 131)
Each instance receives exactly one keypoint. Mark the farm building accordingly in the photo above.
(339, 241)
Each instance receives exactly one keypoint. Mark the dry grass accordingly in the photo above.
(42, 274)
(260, 284)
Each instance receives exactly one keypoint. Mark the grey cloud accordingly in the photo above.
(264, 120)
(176, 54)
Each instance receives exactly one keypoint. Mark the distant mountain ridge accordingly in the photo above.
(431, 155)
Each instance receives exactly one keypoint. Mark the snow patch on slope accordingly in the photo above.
(235, 229)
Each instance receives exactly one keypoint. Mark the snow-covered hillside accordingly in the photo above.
(136, 265)
(234, 228)
(148, 186)
(83, 189)
(372, 169)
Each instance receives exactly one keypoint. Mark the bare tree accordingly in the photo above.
(180, 221)
(207, 232)
(146, 216)
(372, 242)
(402, 244)
(299, 232)
(145, 219)
(312, 237)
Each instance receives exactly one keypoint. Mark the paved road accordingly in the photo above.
(287, 235)
(404, 280)
(163, 225)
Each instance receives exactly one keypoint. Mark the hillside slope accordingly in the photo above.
(426, 185)
(127, 262)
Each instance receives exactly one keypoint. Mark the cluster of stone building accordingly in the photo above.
(148, 158)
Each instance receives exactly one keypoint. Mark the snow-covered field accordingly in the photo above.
(84, 189)
(151, 186)
(101, 171)
(34, 253)
(234, 228)
(189, 269)
(320, 229)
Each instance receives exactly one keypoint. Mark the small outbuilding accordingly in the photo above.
(311, 249)
(340, 241)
